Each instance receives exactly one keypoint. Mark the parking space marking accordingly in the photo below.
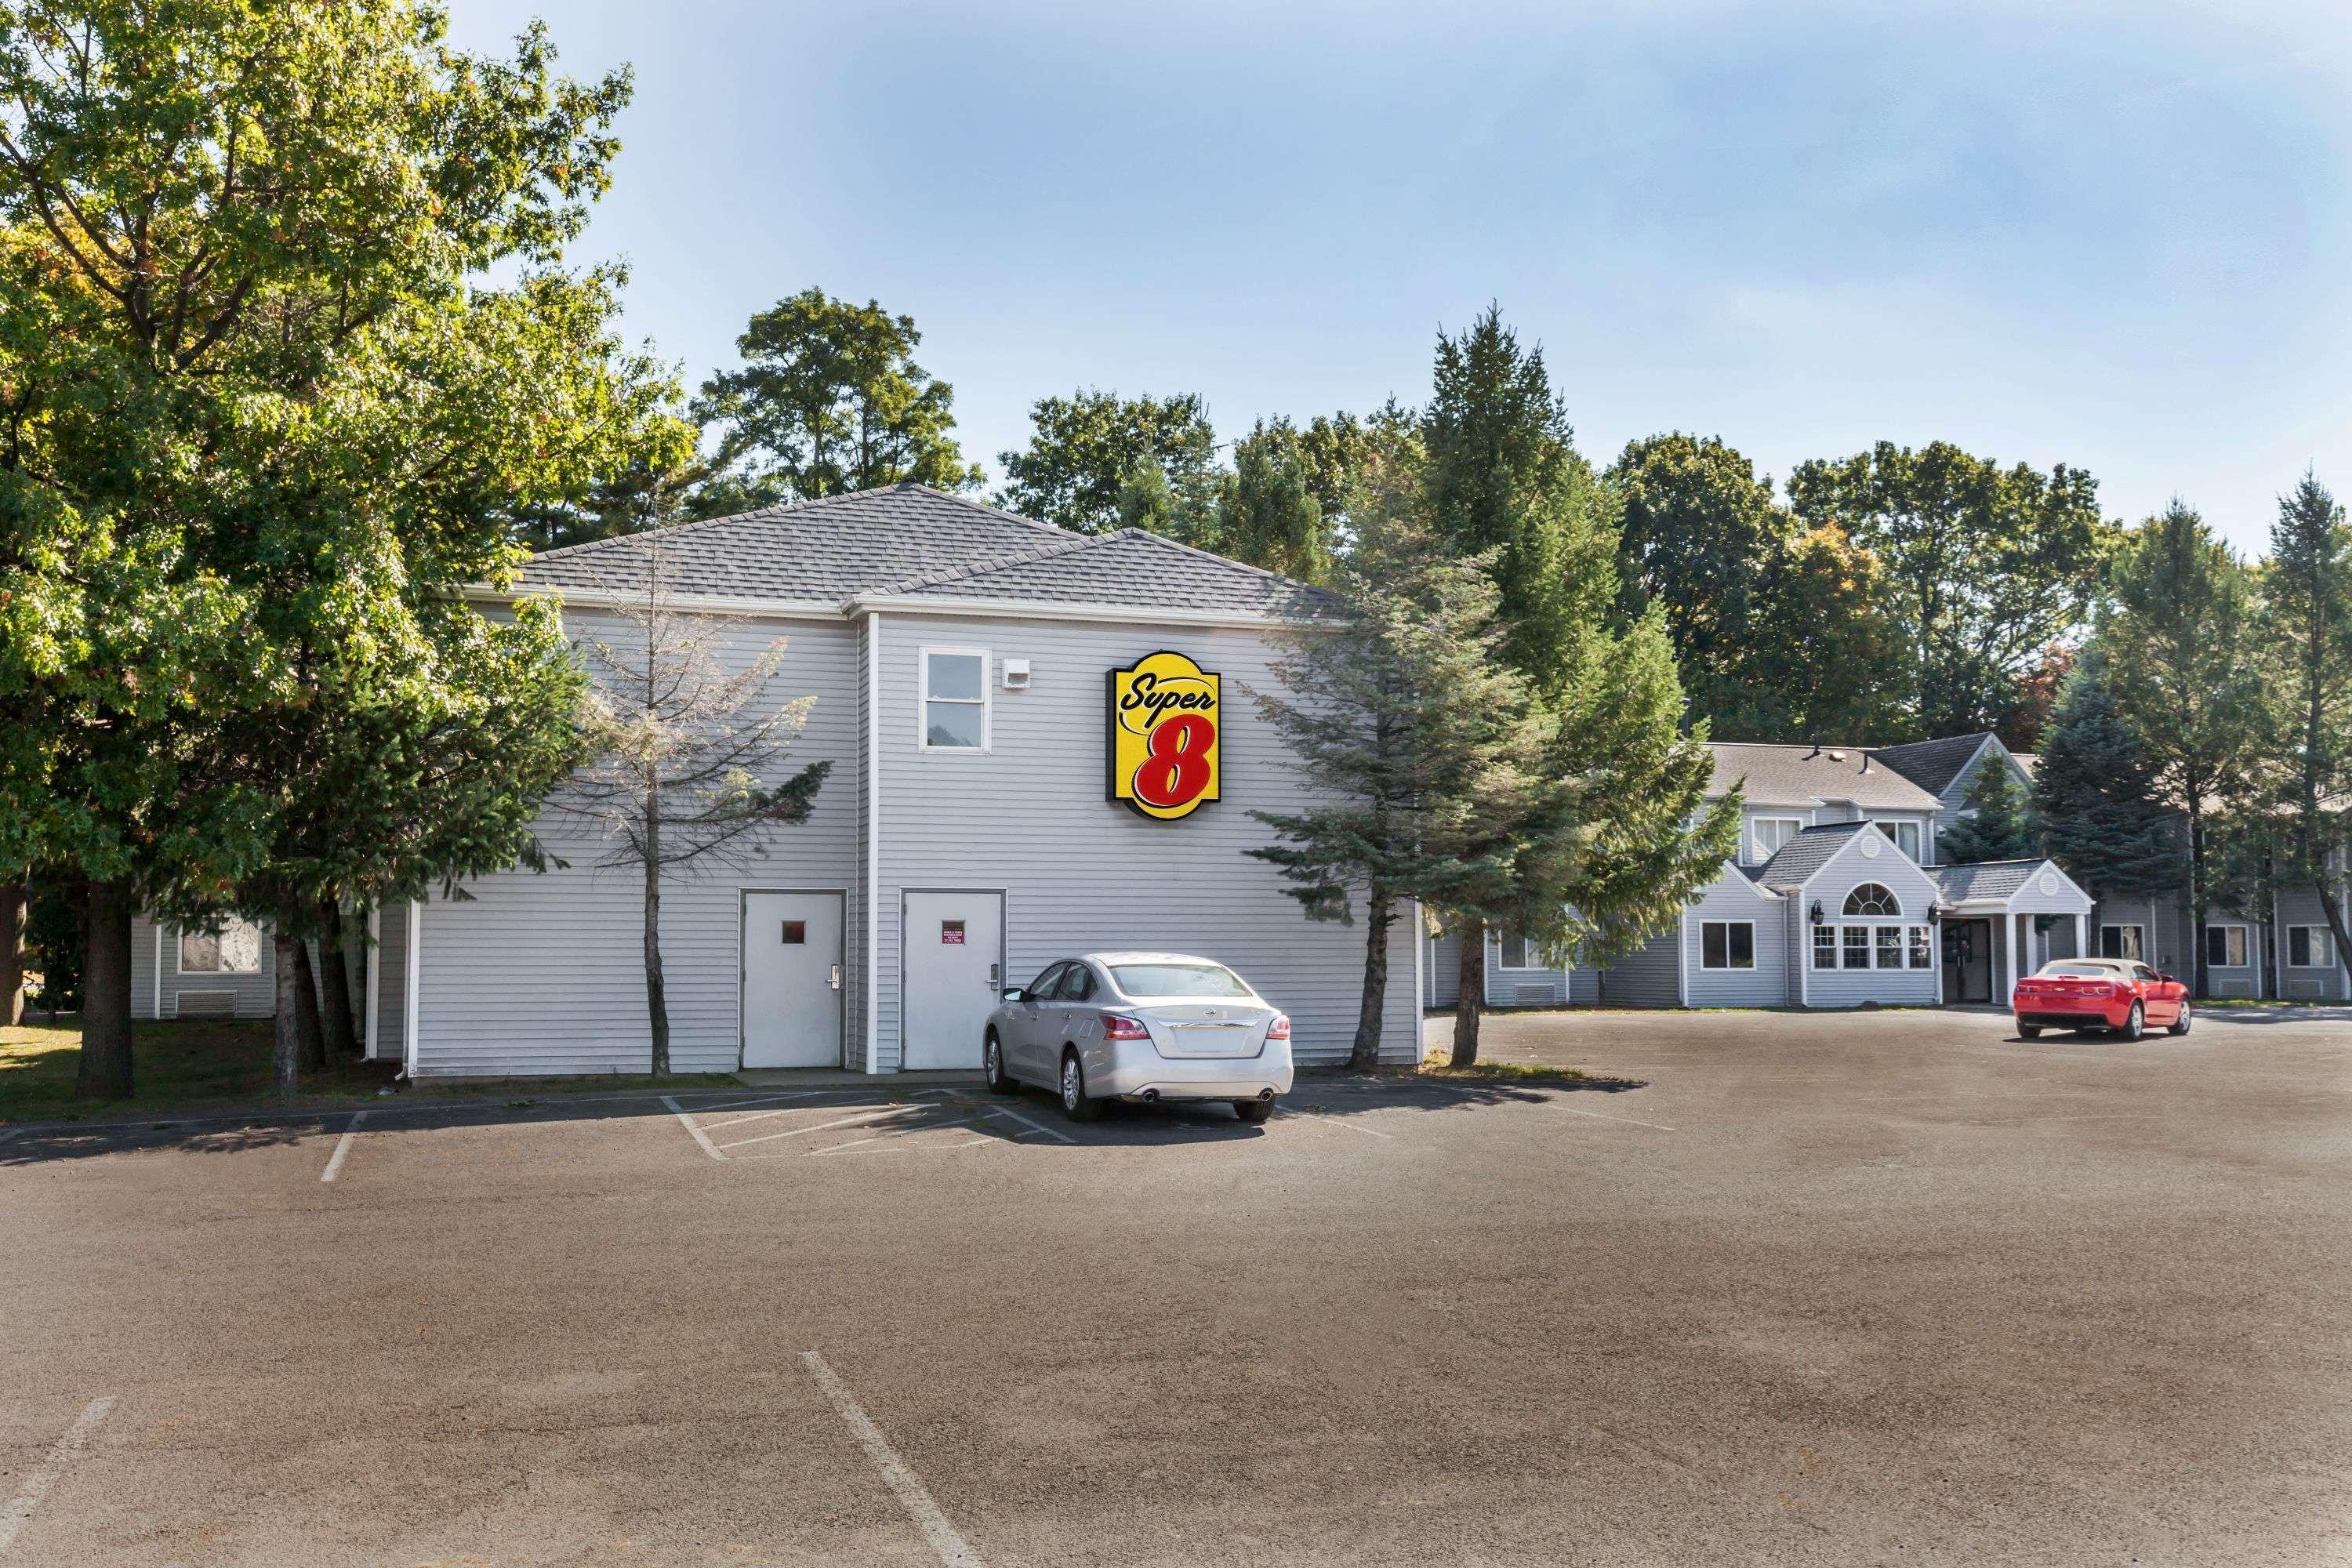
(755, 1100)
(699, 1135)
(870, 1114)
(1007, 1112)
(36, 1485)
(1629, 1121)
(852, 1147)
(1337, 1122)
(950, 1547)
(342, 1148)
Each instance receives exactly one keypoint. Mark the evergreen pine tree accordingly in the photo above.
(2001, 828)
(2093, 794)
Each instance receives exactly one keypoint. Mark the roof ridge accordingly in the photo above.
(1070, 546)
(1207, 555)
(988, 507)
(812, 503)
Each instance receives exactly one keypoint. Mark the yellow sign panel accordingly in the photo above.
(1166, 712)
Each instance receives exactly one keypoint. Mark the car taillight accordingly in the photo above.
(1280, 1029)
(1121, 1027)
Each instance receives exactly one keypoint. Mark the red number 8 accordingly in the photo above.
(1176, 764)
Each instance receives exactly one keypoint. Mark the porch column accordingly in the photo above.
(2009, 932)
(2080, 951)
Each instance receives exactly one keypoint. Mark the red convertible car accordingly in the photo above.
(2120, 994)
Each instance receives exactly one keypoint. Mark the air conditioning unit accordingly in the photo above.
(1016, 675)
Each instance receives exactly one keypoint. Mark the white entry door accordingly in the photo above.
(791, 980)
(951, 974)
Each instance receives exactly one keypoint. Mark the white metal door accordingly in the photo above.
(791, 980)
(951, 970)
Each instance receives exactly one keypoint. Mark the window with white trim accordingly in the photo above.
(234, 949)
(1518, 951)
(1905, 836)
(1857, 947)
(1766, 835)
(1825, 947)
(2310, 947)
(2225, 947)
(1727, 944)
(955, 699)
(2123, 942)
(1873, 899)
(1922, 949)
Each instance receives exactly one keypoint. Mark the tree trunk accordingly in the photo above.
(310, 1034)
(342, 1036)
(656, 1000)
(1378, 917)
(1472, 996)
(286, 1053)
(14, 897)
(105, 1070)
(2333, 907)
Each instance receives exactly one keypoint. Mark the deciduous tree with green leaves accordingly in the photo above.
(829, 400)
(2179, 635)
(1085, 449)
(261, 417)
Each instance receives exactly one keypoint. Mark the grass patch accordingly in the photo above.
(221, 1063)
(1441, 1067)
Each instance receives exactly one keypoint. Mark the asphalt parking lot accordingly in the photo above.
(1856, 1289)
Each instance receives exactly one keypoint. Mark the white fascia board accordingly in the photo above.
(607, 598)
(1869, 828)
(1059, 610)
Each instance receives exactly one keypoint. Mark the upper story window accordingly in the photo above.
(1873, 899)
(955, 699)
(1766, 835)
(235, 949)
(1905, 836)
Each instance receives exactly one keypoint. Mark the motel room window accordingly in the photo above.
(1922, 951)
(235, 949)
(1871, 898)
(2310, 947)
(955, 699)
(2123, 942)
(2225, 947)
(1766, 834)
(1905, 836)
(1825, 947)
(1727, 944)
(1857, 947)
(1890, 946)
(1519, 953)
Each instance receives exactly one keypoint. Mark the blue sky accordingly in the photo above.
(2113, 236)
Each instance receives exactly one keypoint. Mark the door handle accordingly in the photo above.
(992, 976)
(836, 977)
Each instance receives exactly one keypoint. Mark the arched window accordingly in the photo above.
(1871, 898)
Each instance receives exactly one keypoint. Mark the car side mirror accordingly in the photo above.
(1016, 994)
(2168, 980)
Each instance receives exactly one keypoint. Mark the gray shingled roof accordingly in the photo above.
(1798, 776)
(911, 539)
(1932, 764)
(1807, 853)
(1984, 879)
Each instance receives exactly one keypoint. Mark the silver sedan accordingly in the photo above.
(1145, 1026)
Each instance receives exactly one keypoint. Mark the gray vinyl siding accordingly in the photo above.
(1583, 986)
(1732, 896)
(544, 973)
(1852, 988)
(854, 990)
(1080, 871)
(1645, 977)
(1442, 986)
(1505, 987)
(1954, 797)
(391, 981)
(255, 995)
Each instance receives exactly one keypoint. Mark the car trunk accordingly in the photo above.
(1207, 1029)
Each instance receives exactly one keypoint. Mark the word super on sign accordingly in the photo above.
(1164, 715)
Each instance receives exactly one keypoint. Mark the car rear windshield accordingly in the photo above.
(1178, 980)
(2076, 972)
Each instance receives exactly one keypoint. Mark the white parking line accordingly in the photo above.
(1335, 1122)
(342, 1148)
(756, 1099)
(36, 1485)
(1006, 1110)
(1630, 1121)
(951, 1548)
(823, 1126)
(901, 1148)
(699, 1135)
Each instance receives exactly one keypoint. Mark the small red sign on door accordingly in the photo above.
(951, 933)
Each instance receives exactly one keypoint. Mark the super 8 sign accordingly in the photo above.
(1165, 711)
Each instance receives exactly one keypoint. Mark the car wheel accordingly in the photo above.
(1076, 1103)
(2135, 1023)
(992, 1062)
(2178, 1026)
(2029, 1031)
(1253, 1110)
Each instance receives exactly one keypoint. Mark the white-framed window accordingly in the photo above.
(1873, 899)
(2225, 947)
(1518, 951)
(1825, 947)
(1890, 946)
(2310, 947)
(1766, 835)
(1905, 836)
(955, 710)
(234, 949)
(2123, 942)
(1727, 944)
(1857, 947)
(1923, 952)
